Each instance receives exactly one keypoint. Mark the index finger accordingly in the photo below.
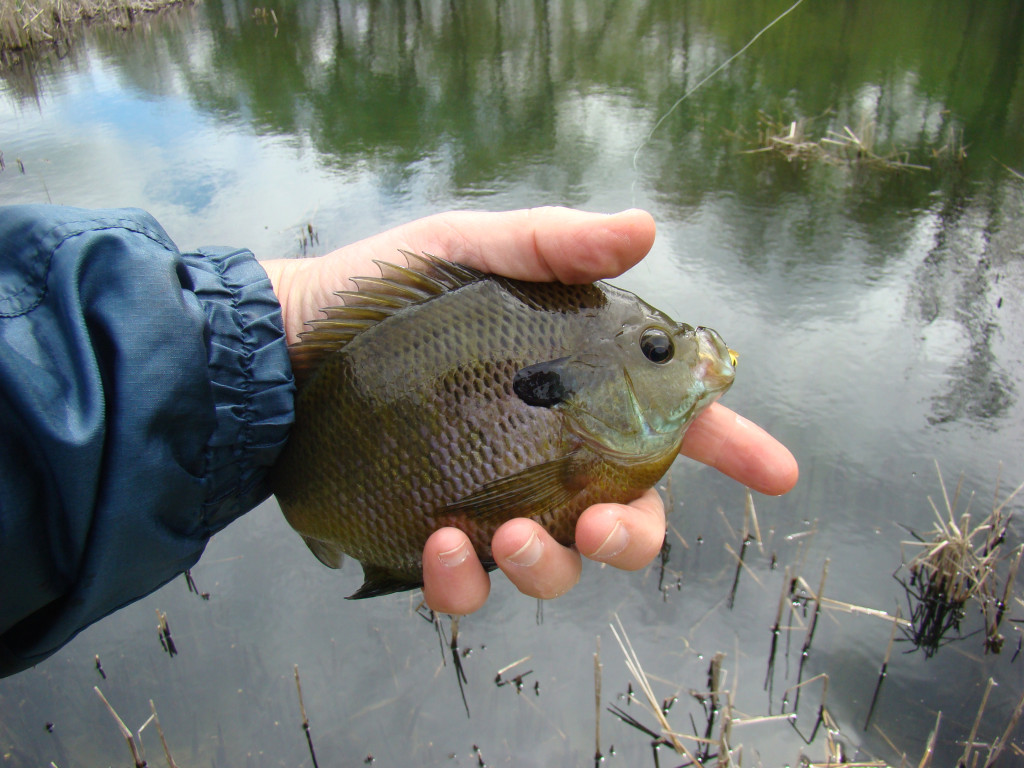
(736, 447)
(553, 243)
(546, 243)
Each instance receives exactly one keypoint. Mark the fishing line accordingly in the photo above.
(715, 71)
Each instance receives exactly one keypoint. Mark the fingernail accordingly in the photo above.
(528, 554)
(454, 557)
(614, 543)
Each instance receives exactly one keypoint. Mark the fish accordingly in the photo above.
(438, 395)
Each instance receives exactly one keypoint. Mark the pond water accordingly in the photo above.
(843, 202)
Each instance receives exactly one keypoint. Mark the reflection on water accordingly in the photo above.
(972, 264)
(877, 312)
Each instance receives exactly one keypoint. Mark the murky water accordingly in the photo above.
(877, 310)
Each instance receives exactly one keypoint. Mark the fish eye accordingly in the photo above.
(656, 345)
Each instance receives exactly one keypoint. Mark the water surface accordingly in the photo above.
(877, 311)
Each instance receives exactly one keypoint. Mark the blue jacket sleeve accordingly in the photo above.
(144, 394)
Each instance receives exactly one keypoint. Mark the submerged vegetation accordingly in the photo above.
(26, 25)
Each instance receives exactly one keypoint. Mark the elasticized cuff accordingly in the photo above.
(251, 378)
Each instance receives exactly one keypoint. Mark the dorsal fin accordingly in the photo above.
(378, 298)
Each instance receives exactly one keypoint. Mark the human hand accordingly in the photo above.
(537, 244)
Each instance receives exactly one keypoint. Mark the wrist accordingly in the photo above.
(289, 279)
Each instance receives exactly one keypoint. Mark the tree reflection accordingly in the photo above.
(959, 280)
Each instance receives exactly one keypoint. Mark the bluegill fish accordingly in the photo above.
(438, 395)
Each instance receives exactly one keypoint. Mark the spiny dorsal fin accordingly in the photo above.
(378, 298)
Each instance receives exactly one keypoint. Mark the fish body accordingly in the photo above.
(439, 395)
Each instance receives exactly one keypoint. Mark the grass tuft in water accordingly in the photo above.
(134, 741)
(955, 566)
(848, 146)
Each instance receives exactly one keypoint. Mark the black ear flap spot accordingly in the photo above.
(541, 384)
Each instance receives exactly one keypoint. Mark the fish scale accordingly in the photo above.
(415, 421)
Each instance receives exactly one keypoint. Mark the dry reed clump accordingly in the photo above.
(27, 24)
(846, 147)
(956, 566)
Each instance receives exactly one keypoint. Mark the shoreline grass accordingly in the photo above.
(27, 26)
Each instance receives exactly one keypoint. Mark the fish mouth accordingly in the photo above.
(716, 363)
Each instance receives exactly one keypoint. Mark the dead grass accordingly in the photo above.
(714, 746)
(956, 565)
(960, 562)
(849, 146)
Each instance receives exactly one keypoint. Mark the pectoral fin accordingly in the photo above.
(327, 553)
(529, 493)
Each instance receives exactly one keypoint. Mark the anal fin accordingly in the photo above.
(381, 581)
